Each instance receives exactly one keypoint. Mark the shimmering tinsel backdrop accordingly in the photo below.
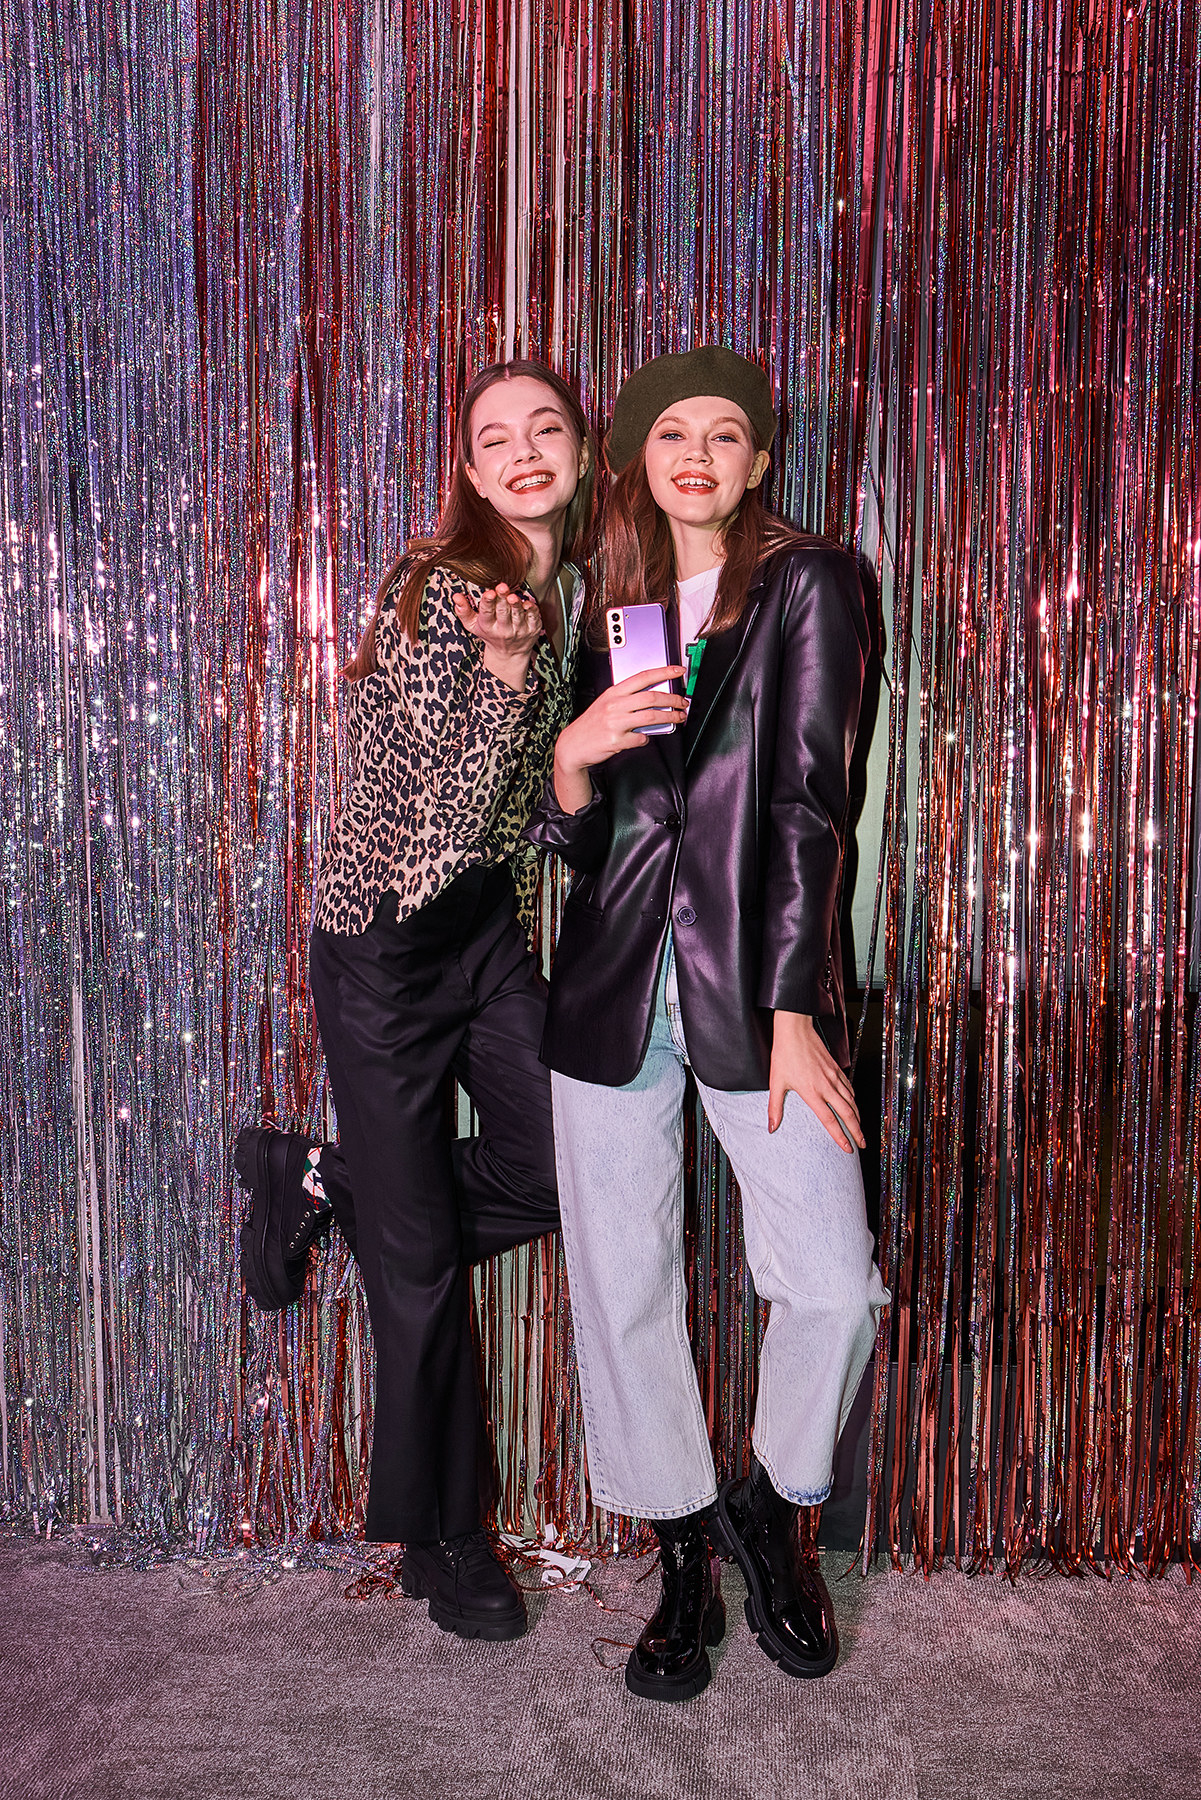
(247, 259)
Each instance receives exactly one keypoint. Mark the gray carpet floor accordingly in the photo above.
(195, 1682)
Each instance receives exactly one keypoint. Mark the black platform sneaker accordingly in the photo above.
(284, 1221)
(670, 1660)
(787, 1603)
(470, 1592)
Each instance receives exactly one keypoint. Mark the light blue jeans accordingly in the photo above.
(620, 1161)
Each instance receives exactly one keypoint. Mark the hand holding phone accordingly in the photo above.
(619, 719)
(638, 643)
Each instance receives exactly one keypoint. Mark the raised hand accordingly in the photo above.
(508, 624)
(801, 1064)
(616, 720)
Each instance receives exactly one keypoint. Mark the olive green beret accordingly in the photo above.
(658, 384)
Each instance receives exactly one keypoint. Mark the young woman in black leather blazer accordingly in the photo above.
(701, 930)
(420, 968)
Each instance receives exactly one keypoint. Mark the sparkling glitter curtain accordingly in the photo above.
(248, 257)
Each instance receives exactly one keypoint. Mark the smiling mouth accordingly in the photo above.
(694, 484)
(524, 483)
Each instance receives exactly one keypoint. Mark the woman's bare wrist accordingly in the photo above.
(514, 671)
(573, 783)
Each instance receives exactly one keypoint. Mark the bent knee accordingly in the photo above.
(848, 1297)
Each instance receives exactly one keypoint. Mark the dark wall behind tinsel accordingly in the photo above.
(247, 259)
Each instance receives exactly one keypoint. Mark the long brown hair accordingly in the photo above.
(640, 559)
(471, 537)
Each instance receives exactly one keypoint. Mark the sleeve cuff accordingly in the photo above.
(499, 699)
(549, 804)
(579, 838)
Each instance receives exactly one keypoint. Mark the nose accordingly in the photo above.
(526, 449)
(697, 453)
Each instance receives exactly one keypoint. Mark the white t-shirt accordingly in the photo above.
(697, 595)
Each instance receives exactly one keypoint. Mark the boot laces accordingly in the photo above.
(470, 1547)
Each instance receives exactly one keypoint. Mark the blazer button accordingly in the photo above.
(685, 916)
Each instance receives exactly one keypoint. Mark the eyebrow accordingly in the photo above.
(722, 419)
(536, 414)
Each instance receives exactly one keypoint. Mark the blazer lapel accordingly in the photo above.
(721, 654)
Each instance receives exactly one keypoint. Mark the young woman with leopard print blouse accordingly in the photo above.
(420, 968)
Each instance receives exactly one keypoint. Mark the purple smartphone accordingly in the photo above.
(638, 641)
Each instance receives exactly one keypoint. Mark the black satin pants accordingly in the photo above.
(451, 988)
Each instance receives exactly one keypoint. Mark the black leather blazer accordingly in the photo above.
(731, 831)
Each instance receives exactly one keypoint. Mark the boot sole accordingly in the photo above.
(495, 1629)
(250, 1158)
(260, 1277)
(690, 1681)
(756, 1609)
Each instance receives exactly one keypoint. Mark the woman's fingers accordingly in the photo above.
(838, 1105)
(801, 1064)
(493, 597)
(832, 1098)
(625, 716)
(505, 620)
(648, 678)
(642, 702)
(839, 1132)
(837, 1115)
(660, 713)
(619, 718)
(846, 1132)
(629, 732)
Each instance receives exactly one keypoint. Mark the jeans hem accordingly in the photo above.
(798, 1496)
(675, 1511)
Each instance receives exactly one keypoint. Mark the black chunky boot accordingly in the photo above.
(670, 1661)
(469, 1589)
(285, 1220)
(787, 1603)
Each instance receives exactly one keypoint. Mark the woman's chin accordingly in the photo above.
(538, 507)
(697, 512)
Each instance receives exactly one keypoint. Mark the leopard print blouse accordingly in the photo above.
(446, 761)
